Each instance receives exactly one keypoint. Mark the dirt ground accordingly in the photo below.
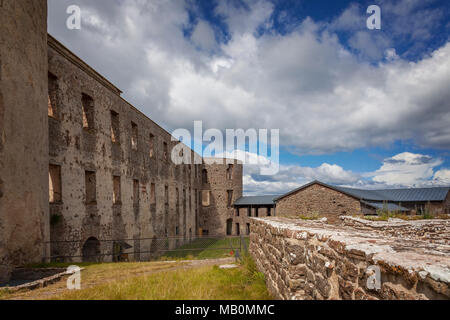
(99, 274)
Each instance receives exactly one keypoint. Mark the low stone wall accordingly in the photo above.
(32, 279)
(313, 260)
(433, 230)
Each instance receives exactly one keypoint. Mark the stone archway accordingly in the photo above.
(91, 250)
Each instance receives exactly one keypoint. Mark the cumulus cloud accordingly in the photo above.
(411, 170)
(442, 177)
(404, 170)
(288, 177)
(321, 96)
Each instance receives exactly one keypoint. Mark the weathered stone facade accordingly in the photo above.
(24, 223)
(68, 138)
(312, 260)
(318, 200)
(121, 144)
(221, 187)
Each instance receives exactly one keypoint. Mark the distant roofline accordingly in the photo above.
(338, 189)
(272, 201)
(308, 185)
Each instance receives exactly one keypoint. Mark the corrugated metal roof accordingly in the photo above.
(400, 195)
(394, 195)
(362, 194)
(417, 194)
(256, 200)
(385, 206)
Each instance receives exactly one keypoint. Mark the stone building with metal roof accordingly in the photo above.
(318, 198)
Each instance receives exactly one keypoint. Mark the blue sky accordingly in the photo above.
(358, 107)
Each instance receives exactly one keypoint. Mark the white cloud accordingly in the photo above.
(407, 169)
(288, 177)
(442, 177)
(322, 97)
(403, 170)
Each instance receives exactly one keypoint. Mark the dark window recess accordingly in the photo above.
(115, 127)
(116, 190)
(152, 193)
(135, 191)
(205, 176)
(134, 136)
(230, 198)
(54, 183)
(52, 96)
(151, 145)
(166, 151)
(166, 195)
(229, 227)
(230, 172)
(88, 112)
(91, 187)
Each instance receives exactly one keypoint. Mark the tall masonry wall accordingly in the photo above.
(320, 200)
(221, 187)
(313, 260)
(155, 198)
(140, 193)
(23, 133)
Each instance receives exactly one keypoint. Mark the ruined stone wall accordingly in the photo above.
(317, 199)
(311, 260)
(77, 149)
(433, 230)
(447, 203)
(213, 217)
(23, 133)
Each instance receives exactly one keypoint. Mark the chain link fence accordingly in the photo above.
(146, 249)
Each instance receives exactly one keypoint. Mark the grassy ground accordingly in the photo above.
(205, 248)
(158, 281)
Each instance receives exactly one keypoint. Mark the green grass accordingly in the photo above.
(205, 248)
(204, 283)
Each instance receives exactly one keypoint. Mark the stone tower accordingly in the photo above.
(221, 187)
(23, 133)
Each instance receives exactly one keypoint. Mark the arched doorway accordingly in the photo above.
(229, 227)
(91, 250)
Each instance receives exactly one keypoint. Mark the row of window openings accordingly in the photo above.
(88, 116)
(205, 178)
(88, 123)
(249, 212)
(237, 228)
(55, 193)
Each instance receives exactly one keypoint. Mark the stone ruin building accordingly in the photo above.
(79, 165)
